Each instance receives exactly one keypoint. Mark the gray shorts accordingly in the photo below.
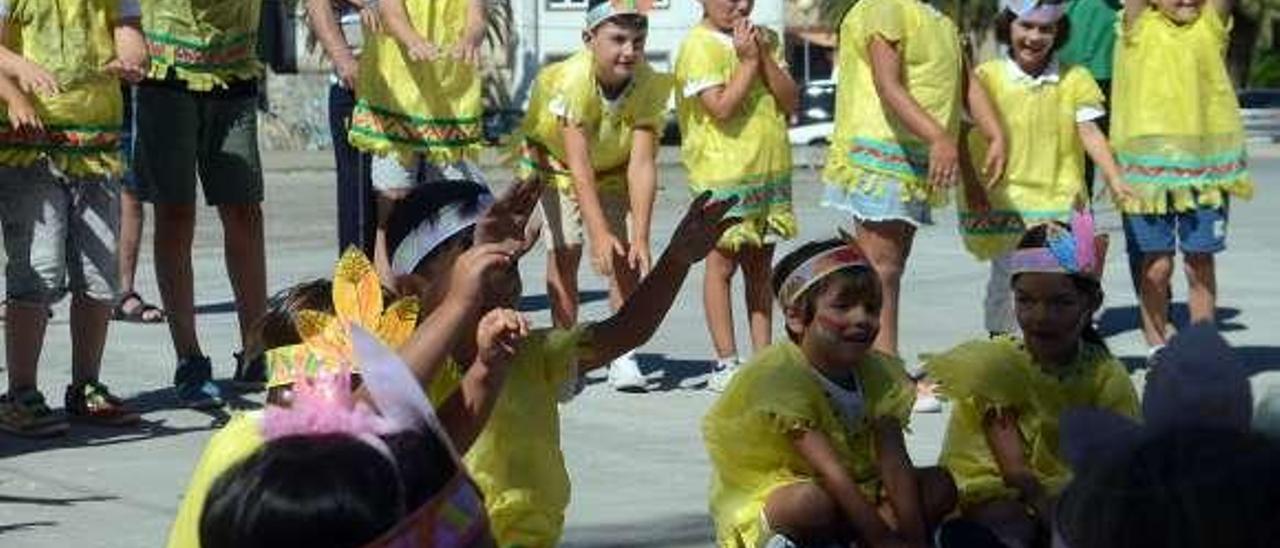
(393, 173)
(59, 234)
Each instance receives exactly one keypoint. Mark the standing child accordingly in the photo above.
(1180, 141)
(734, 97)
(806, 443)
(1048, 113)
(895, 151)
(418, 105)
(1002, 442)
(591, 132)
(59, 156)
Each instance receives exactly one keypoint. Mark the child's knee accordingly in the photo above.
(1198, 266)
(803, 512)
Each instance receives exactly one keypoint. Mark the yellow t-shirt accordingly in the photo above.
(1176, 126)
(238, 439)
(987, 375)
(1044, 173)
(82, 124)
(869, 146)
(207, 43)
(430, 107)
(748, 156)
(567, 92)
(747, 433)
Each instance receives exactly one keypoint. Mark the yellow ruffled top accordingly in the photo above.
(567, 92)
(999, 375)
(431, 107)
(207, 43)
(748, 156)
(747, 433)
(1044, 174)
(1176, 126)
(869, 146)
(82, 125)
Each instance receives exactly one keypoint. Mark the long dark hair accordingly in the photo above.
(1037, 237)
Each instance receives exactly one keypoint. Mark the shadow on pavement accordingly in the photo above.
(534, 303)
(162, 399)
(41, 501)
(1120, 319)
(11, 527)
(1256, 359)
(684, 530)
(664, 374)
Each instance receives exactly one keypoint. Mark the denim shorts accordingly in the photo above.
(393, 173)
(884, 204)
(59, 234)
(1202, 230)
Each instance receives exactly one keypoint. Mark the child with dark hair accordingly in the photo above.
(516, 458)
(592, 131)
(1002, 442)
(1048, 113)
(806, 442)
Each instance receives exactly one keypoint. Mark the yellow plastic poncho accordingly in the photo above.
(567, 92)
(869, 146)
(748, 156)
(1176, 126)
(997, 375)
(747, 433)
(207, 43)
(1044, 174)
(430, 107)
(82, 124)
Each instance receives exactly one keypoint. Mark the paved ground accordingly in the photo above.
(639, 470)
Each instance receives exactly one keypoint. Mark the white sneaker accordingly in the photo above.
(721, 373)
(625, 375)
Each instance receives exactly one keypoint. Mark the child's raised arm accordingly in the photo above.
(1099, 150)
(644, 310)
(468, 49)
(131, 61)
(642, 185)
(325, 26)
(605, 246)
(886, 71)
(984, 114)
(465, 413)
(835, 480)
(396, 20)
(900, 481)
(1009, 450)
(780, 84)
(723, 102)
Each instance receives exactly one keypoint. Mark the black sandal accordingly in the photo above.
(144, 312)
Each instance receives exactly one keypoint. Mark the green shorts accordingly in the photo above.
(181, 133)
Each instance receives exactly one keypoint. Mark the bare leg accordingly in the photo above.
(24, 329)
(89, 320)
(756, 269)
(805, 514)
(1157, 269)
(887, 245)
(720, 266)
(1202, 282)
(175, 229)
(562, 285)
(131, 218)
(245, 254)
(386, 202)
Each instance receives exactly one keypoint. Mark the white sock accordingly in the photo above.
(727, 363)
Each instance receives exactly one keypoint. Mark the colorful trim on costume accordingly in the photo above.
(536, 158)
(65, 139)
(1005, 222)
(1074, 251)
(231, 52)
(390, 127)
(454, 518)
(1170, 172)
(756, 198)
(818, 267)
(887, 157)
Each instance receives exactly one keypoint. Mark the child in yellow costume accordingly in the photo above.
(1180, 142)
(895, 150)
(516, 460)
(418, 108)
(591, 131)
(806, 443)
(733, 99)
(59, 197)
(1048, 112)
(1002, 442)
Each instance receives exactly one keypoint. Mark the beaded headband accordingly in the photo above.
(429, 234)
(1066, 252)
(1038, 11)
(612, 8)
(326, 342)
(817, 267)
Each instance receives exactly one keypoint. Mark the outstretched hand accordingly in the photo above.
(701, 228)
(467, 280)
(508, 217)
(498, 336)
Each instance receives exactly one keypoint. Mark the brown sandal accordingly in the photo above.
(143, 312)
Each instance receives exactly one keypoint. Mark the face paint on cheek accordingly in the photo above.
(833, 323)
